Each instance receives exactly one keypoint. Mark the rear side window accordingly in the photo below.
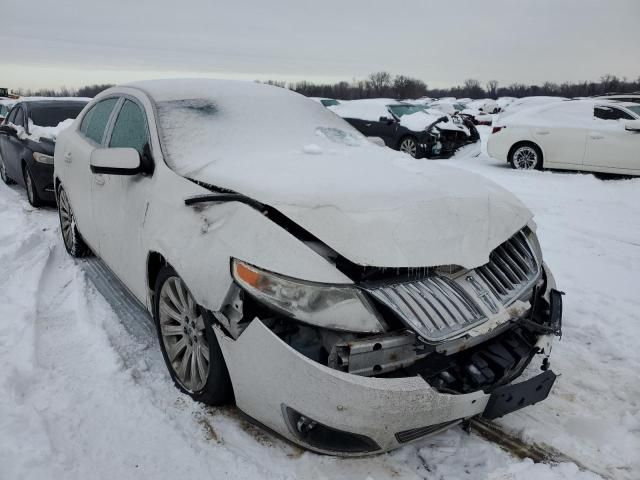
(130, 129)
(95, 121)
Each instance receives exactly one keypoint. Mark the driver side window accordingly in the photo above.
(130, 129)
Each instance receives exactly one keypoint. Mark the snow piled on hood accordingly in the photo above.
(37, 133)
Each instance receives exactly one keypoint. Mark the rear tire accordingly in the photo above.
(525, 156)
(3, 173)
(30, 185)
(73, 242)
(189, 345)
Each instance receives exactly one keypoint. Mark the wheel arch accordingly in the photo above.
(155, 263)
(533, 143)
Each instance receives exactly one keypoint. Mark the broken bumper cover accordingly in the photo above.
(291, 394)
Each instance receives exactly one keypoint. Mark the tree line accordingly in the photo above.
(384, 84)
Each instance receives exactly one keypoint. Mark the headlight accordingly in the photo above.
(42, 158)
(335, 307)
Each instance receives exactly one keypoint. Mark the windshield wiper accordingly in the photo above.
(224, 197)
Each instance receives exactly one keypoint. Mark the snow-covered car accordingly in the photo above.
(5, 107)
(327, 102)
(482, 111)
(409, 128)
(27, 140)
(446, 106)
(529, 102)
(347, 299)
(589, 135)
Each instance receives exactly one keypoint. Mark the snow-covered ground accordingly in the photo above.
(83, 395)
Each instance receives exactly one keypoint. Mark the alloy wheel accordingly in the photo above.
(525, 158)
(409, 146)
(183, 333)
(29, 184)
(67, 222)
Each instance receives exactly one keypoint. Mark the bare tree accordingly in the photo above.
(492, 88)
(379, 83)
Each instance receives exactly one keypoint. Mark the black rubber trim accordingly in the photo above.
(510, 398)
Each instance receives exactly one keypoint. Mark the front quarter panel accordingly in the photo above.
(200, 240)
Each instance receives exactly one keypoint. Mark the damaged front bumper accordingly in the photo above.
(334, 412)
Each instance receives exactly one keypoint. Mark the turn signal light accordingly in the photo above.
(496, 129)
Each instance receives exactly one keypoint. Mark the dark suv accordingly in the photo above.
(26, 148)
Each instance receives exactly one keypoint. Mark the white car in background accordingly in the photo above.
(347, 298)
(529, 102)
(598, 136)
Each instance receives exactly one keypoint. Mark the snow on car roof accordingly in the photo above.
(366, 109)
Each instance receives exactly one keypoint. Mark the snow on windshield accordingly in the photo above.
(206, 123)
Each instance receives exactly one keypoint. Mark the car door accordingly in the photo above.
(76, 176)
(561, 132)
(385, 129)
(120, 201)
(13, 147)
(609, 144)
(6, 146)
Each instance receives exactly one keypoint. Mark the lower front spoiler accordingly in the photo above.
(291, 394)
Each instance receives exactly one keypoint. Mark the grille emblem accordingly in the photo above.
(484, 294)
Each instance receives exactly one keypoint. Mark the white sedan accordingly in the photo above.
(589, 135)
(346, 298)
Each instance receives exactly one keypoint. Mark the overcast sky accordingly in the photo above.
(78, 42)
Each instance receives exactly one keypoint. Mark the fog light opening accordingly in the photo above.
(325, 438)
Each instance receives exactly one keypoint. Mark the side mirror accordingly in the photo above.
(8, 130)
(116, 161)
(632, 125)
(386, 120)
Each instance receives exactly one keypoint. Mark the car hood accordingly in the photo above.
(380, 209)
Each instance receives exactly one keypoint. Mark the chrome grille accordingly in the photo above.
(512, 268)
(435, 307)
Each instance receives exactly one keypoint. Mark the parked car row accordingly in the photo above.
(349, 316)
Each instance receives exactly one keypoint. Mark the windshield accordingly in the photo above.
(458, 106)
(52, 115)
(635, 109)
(400, 110)
(327, 102)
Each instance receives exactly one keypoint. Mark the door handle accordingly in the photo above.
(595, 136)
(98, 179)
(68, 157)
(543, 132)
(367, 124)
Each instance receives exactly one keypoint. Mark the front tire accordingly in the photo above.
(409, 145)
(73, 241)
(525, 156)
(32, 191)
(189, 345)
